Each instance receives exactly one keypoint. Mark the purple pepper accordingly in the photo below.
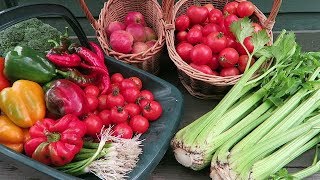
(65, 97)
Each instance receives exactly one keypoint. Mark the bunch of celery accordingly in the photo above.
(257, 116)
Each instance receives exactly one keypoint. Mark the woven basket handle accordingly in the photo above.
(269, 22)
(167, 8)
(88, 14)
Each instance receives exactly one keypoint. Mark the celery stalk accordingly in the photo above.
(274, 162)
(219, 160)
(281, 112)
(297, 116)
(243, 164)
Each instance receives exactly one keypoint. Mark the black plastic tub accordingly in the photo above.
(156, 139)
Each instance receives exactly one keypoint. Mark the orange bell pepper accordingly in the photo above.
(11, 135)
(23, 103)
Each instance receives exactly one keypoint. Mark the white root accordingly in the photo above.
(121, 158)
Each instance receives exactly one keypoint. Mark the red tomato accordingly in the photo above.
(92, 90)
(197, 26)
(223, 28)
(201, 54)
(93, 102)
(243, 61)
(230, 8)
(94, 125)
(102, 102)
(248, 44)
(130, 95)
(194, 36)
(116, 78)
(257, 27)
(209, 28)
(113, 87)
(214, 63)
(152, 110)
(118, 115)
(143, 102)
(127, 83)
(197, 15)
(139, 124)
(181, 36)
(137, 81)
(105, 117)
(228, 57)
(216, 41)
(182, 23)
(209, 7)
(133, 109)
(146, 94)
(123, 130)
(215, 16)
(245, 9)
(229, 71)
(240, 49)
(184, 49)
(229, 20)
(231, 42)
(114, 99)
(202, 68)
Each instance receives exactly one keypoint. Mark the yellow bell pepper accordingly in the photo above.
(11, 135)
(23, 103)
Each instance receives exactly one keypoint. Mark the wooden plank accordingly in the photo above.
(292, 6)
(94, 6)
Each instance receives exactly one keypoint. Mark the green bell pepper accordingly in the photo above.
(26, 63)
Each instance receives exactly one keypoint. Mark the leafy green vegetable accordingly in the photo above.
(243, 29)
(32, 32)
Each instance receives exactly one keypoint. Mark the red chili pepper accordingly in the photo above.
(3, 80)
(94, 68)
(97, 49)
(77, 77)
(104, 84)
(56, 142)
(92, 59)
(64, 60)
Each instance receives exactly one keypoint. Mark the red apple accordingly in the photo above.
(150, 34)
(151, 43)
(137, 31)
(139, 47)
(114, 26)
(121, 41)
(134, 17)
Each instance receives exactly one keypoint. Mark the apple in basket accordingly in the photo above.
(115, 26)
(133, 36)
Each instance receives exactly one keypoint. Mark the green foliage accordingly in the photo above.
(32, 33)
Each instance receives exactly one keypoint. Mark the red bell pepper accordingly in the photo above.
(56, 142)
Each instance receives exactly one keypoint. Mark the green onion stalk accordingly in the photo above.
(111, 158)
(195, 144)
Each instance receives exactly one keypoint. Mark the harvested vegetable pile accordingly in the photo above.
(64, 109)
(263, 123)
(24, 34)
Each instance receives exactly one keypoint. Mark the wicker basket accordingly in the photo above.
(199, 84)
(116, 10)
